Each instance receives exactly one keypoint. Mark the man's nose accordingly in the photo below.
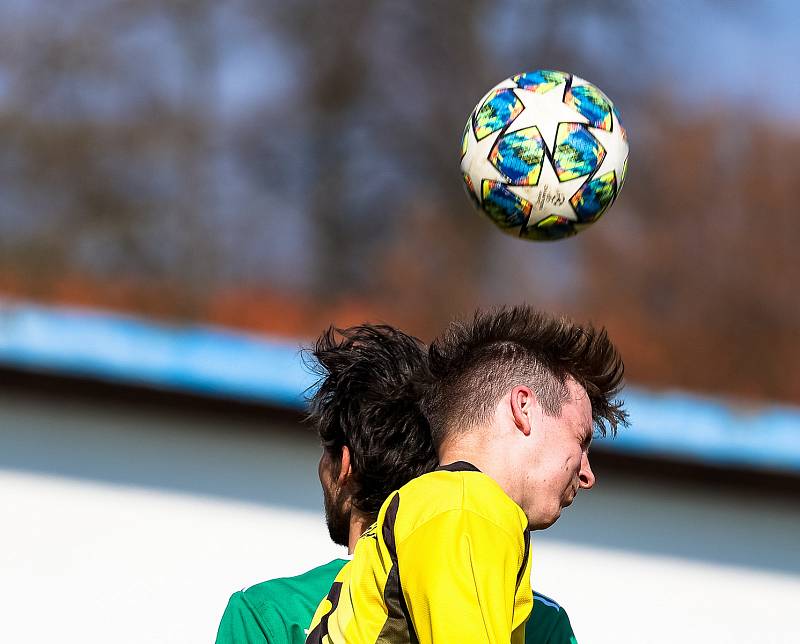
(586, 476)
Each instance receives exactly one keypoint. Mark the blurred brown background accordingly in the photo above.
(279, 166)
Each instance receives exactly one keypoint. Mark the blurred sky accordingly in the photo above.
(743, 50)
(721, 50)
(705, 52)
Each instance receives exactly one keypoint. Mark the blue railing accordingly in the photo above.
(218, 362)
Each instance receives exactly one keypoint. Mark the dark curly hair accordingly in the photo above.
(365, 400)
(475, 362)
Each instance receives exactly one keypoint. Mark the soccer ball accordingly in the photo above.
(544, 155)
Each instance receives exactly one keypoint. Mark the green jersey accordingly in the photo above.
(548, 623)
(279, 611)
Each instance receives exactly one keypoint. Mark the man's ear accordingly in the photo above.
(522, 403)
(346, 468)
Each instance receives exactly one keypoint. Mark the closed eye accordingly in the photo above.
(586, 441)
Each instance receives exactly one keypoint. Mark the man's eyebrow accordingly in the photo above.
(588, 434)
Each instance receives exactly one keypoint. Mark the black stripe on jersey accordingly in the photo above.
(321, 630)
(398, 628)
(527, 537)
(458, 466)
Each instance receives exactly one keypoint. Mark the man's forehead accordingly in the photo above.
(579, 401)
(576, 392)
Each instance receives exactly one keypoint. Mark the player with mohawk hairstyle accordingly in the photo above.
(375, 439)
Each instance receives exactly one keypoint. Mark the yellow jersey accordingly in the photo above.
(448, 560)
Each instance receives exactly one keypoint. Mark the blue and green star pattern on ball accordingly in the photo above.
(577, 152)
(592, 104)
(594, 197)
(507, 210)
(498, 110)
(549, 229)
(540, 81)
(519, 156)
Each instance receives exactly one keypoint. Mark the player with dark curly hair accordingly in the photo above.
(375, 439)
(374, 435)
(512, 398)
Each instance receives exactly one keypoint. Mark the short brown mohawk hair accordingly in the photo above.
(473, 363)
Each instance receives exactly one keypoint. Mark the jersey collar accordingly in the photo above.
(458, 466)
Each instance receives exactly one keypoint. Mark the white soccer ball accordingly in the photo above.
(544, 154)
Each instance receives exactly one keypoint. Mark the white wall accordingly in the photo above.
(635, 561)
(134, 525)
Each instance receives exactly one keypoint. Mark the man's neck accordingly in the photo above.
(481, 457)
(359, 523)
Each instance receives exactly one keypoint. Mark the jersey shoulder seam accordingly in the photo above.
(256, 615)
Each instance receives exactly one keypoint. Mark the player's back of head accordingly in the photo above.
(365, 400)
(475, 362)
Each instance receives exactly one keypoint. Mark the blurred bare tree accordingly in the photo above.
(278, 164)
(105, 158)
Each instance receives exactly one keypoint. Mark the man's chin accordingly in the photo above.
(338, 522)
(545, 522)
